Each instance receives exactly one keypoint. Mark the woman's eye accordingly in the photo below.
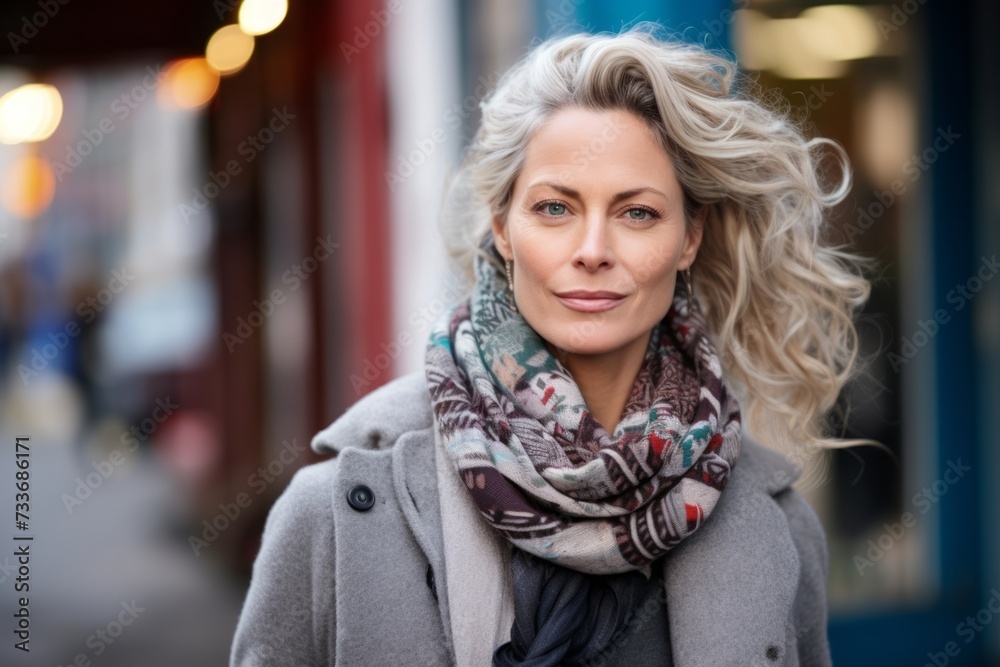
(639, 214)
(553, 208)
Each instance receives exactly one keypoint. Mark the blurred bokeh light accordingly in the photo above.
(30, 113)
(258, 17)
(188, 84)
(229, 49)
(28, 186)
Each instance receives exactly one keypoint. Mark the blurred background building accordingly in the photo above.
(217, 232)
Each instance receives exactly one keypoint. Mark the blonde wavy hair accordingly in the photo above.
(779, 302)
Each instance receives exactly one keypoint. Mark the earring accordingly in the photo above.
(690, 305)
(690, 291)
(510, 284)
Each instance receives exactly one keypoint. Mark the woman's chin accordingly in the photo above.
(586, 343)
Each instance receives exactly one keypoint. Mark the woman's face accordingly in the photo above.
(596, 231)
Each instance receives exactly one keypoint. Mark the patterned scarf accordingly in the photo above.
(543, 471)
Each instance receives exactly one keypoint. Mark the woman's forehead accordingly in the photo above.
(583, 148)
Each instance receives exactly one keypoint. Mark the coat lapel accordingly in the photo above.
(471, 561)
(477, 568)
(416, 482)
(731, 586)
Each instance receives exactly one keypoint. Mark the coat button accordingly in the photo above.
(361, 498)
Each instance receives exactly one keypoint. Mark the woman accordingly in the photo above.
(572, 478)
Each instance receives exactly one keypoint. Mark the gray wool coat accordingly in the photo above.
(338, 585)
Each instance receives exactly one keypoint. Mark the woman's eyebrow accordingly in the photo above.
(621, 196)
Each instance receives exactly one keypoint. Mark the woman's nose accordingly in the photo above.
(593, 249)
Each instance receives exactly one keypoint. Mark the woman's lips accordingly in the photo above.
(595, 302)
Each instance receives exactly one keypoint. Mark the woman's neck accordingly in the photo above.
(606, 380)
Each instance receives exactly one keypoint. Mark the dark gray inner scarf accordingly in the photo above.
(566, 617)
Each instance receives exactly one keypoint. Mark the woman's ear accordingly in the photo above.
(500, 237)
(692, 238)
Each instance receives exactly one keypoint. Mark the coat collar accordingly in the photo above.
(378, 419)
(730, 587)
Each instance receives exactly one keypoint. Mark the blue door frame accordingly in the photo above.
(919, 636)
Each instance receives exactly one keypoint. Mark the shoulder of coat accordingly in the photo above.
(378, 419)
(770, 469)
